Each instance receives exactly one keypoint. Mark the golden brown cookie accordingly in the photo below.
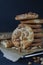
(25, 16)
(7, 43)
(25, 36)
(36, 21)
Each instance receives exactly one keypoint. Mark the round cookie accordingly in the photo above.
(25, 16)
(23, 36)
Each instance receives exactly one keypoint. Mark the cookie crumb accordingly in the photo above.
(41, 63)
(29, 63)
(34, 58)
(35, 61)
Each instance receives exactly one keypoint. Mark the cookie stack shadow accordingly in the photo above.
(36, 24)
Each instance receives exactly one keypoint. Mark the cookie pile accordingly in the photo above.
(28, 35)
(34, 26)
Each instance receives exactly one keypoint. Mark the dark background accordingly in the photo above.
(8, 10)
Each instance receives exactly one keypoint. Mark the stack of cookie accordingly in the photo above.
(31, 19)
(28, 35)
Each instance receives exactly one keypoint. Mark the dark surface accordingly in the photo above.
(8, 10)
(24, 61)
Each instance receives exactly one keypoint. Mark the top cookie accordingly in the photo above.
(25, 16)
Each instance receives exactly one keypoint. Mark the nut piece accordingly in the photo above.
(38, 58)
(34, 58)
(29, 63)
(35, 61)
(41, 63)
(41, 59)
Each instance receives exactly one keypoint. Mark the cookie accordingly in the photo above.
(38, 35)
(5, 35)
(25, 16)
(36, 21)
(7, 43)
(25, 36)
